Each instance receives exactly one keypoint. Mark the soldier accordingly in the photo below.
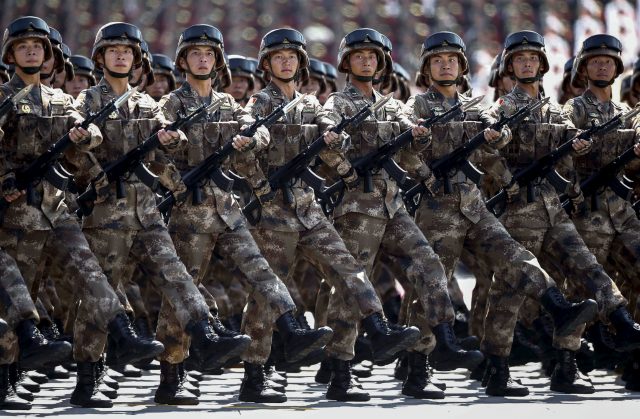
(242, 80)
(451, 219)
(374, 222)
(331, 78)
(567, 89)
(300, 227)
(165, 81)
(218, 221)
(142, 75)
(4, 72)
(501, 84)
(83, 75)
(540, 224)
(609, 225)
(315, 83)
(124, 230)
(28, 224)
(258, 75)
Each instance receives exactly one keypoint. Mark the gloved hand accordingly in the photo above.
(264, 193)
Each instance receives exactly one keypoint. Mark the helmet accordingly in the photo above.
(241, 67)
(523, 41)
(388, 60)
(285, 38)
(222, 78)
(147, 62)
(84, 67)
(495, 66)
(118, 33)
(363, 38)
(331, 75)
(23, 28)
(201, 35)
(56, 43)
(317, 70)
(594, 46)
(68, 67)
(441, 42)
(401, 72)
(162, 65)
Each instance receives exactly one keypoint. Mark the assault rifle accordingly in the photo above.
(544, 166)
(298, 166)
(132, 162)
(606, 177)
(46, 165)
(210, 168)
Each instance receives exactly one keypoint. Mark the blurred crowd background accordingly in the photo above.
(482, 24)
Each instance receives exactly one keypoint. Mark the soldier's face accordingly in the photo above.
(159, 88)
(525, 64)
(312, 85)
(601, 68)
(238, 88)
(77, 85)
(506, 84)
(136, 74)
(444, 67)
(283, 64)
(201, 60)
(47, 66)
(58, 81)
(27, 53)
(363, 62)
(118, 58)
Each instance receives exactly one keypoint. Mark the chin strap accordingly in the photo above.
(602, 83)
(118, 75)
(212, 75)
(528, 80)
(363, 78)
(31, 70)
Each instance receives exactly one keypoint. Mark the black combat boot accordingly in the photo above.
(4, 327)
(343, 386)
(142, 329)
(523, 349)
(448, 355)
(298, 342)
(16, 376)
(478, 373)
(567, 316)
(323, 376)
(385, 341)
(127, 346)
(632, 371)
(566, 377)
(171, 389)
(418, 383)
(186, 382)
(361, 370)
(499, 382)
(211, 351)
(86, 393)
(220, 328)
(255, 386)
(627, 330)
(36, 350)
(273, 375)
(9, 400)
(402, 368)
(103, 370)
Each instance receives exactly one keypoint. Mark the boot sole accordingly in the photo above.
(132, 358)
(236, 352)
(35, 360)
(424, 395)
(92, 405)
(15, 406)
(275, 399)
(177, 402)
(387, 355)
(352, 398)
(568, 389)
(588, 312)
(518, 393)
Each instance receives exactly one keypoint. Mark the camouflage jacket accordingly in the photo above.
(39, 120)
(585, 110)
(288, 137)
(219, 209)
(388, 122)
(444, 138)
(124, 129)
(537, 135)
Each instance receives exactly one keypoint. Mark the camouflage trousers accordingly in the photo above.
(546, 231)
(409, 254)
(98, 303)
(268, 296)
(303, 283)
(450, 231)
(119, 251)
(15, 305)
(352, 296)
(612, 233)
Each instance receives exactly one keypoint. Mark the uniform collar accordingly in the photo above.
(275, 92)
(351, 91)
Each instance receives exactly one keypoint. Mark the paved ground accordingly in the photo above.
(306, 398)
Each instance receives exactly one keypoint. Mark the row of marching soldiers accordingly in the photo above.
(203, 286)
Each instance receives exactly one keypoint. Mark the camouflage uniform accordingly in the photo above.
(218, 222)
(378, 222)
(542, 226)
(460, 219)
(611, 230)
(302, 228)
(42, 118)
(123, 232)
(15, 305)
